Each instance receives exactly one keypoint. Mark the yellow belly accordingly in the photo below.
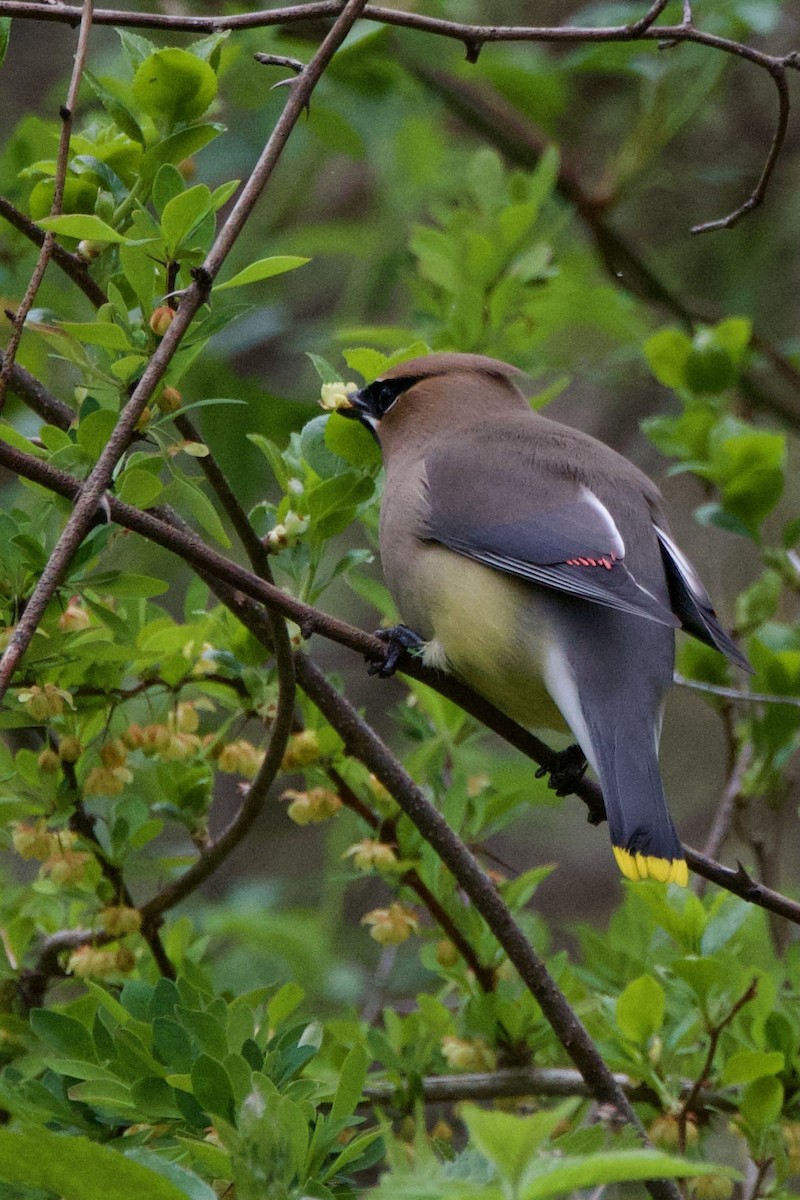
(490, 632)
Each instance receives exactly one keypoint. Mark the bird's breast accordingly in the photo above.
(487, 626)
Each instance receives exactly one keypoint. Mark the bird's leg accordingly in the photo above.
(398, 638)
(568, 771)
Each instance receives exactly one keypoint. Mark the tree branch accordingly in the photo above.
(474, 38)
(92, 491)
(362, 742)
(516, 1082)
(69, 263)
(62, 159)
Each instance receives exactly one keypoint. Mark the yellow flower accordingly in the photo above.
(48, 762)
(311, 807)
(66, 866)
(161, 319)
(468, 1054)
(393, 925)
(34, 841)
(106, 781)
(302, 749)
(113, 753)
(370, 855)
(333, 396)
(89, 962)
(118, 920)
(47, 701)
(240, 758)
(74, 617)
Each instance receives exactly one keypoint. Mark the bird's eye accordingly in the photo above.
(386, 398)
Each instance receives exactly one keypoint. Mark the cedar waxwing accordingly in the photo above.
(536, 564)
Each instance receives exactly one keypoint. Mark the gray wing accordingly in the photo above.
(533, 525)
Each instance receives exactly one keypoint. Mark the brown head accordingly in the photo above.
(417, 400)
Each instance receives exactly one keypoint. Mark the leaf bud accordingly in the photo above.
(161, 319)
(169, 400)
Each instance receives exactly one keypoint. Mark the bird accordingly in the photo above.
(536, 563)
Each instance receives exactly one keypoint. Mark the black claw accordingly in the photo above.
(398, 639)
(568, 771)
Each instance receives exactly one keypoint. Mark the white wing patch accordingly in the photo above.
(617, 544)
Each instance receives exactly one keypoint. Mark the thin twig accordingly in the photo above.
(726, 810)
(484, 109)
(484, 976)
(93, 489)
(474, 37)
(727, 693)
(758, 193)
(692, 1098)
(62, 161)
(69, 263)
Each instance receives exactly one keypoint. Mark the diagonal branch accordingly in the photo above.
(62, 160)
(70, 264)
(361, 741)
(91, 494)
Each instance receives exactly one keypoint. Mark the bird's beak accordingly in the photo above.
(343, 398)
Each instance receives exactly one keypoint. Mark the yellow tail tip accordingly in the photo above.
(648, 866)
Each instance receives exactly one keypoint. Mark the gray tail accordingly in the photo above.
(643, 836)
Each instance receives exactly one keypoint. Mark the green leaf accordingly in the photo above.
(762, 1102)
(190, 1185)
(182, 214)
(77, 1169)
(511, 1142)
(559, 1177)
(83, 225)
(173, 149)
(212, 1086)
(63, 1032)
(116, 109)
(127, 585)
(734, 335)
(95, 429)
(666, 353)
(640, 1009)
(5, 33)
(197, 505)
(138, 487)
(332, 504)
(264, 268)
(351, 1083)
(174, 85)
(136, 47)
(747, 1065)
(167, 184)
(97, 333)
(326, 372)
(352, 442)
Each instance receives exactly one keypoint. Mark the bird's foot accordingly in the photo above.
(568, 771)
(398, 638)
